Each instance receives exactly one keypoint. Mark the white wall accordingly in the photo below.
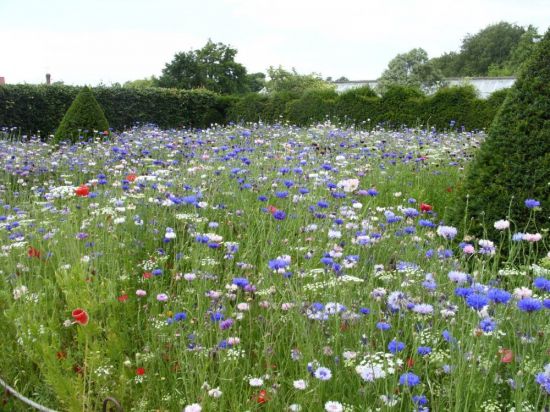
(484, 85)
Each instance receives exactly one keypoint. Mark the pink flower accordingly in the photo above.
(468, 249)
(162, 297)
(141, 292)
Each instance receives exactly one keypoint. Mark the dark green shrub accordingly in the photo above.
(314, 106)
(249, 108)
(452, 107)
(85, 117)
(357, 106)
(401, 105)
(513, 164)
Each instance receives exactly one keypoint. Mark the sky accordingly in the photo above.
(114, 41)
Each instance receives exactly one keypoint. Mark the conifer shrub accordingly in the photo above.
(84, 118)
(513, 163)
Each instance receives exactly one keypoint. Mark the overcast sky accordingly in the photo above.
(93, 41)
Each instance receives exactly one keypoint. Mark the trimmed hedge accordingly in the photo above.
(33, 108)
(83, 118)
(513, 163)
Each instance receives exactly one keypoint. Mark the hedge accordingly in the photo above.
(33, 108)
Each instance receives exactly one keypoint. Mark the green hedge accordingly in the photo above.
(456, 106)
(33, 108)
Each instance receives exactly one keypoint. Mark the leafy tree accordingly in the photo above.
(284, 81)
(142, 83)
(83, 118)
(492, 45)
(411, 69)
(519, 54)
(213, 67)
(513, 163)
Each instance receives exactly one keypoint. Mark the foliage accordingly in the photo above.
(142, 83)
(84, 118)
(41, 108)
(213, 68)
(513, 164)
(411, 69)
(284, 81)
(315, 105)
(497, 50)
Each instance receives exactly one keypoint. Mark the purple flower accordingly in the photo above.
(226, 324)
(531, 203)
(542, 284)
(279, 215)
(487, 325)
(383, 326)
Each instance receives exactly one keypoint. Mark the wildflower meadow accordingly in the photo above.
(265, 268)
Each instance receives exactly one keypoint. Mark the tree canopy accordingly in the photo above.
(284, 81)
(498, 49)
(212, 67)
(411, 69)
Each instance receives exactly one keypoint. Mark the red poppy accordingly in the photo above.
(140, 371)
(82, 191)
(507, 356)
(410, 362)
(131, 177)
(271, 209)
(123, 298)
(262, 397)
(424, 207)
(32, 252)
(147, 275)
(80, 316)
(449, 189)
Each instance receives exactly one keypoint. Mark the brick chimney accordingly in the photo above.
(2, 81)
(48, 78)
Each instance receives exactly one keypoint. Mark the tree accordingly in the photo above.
(490, 46)
(142, 83)
(213, 67)
(519, 54)
(84, 117)
(513, 163)
(411, 69)
(284, 81)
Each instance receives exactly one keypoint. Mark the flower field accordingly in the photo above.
(267, 268)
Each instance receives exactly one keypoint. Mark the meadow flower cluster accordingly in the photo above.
(239, 268)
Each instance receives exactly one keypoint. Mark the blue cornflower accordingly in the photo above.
(487, 325)
(477, 301)
(529, 305)
(424, 350)
(240, 282)
(303, 191)
(323, 204)
(531, 203)
(364, 311)
(396, 346)
(542, 284)
(463, 292)
(383, 326)
(372, 192)
(447, 336)
(517, 237)
(420, 400)
(180, 316)
(157, 272)
(281, 195)
(499, 295)
(279, 215)
(216, 316)
(409, 379)
(546, 303)
(426, 223)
